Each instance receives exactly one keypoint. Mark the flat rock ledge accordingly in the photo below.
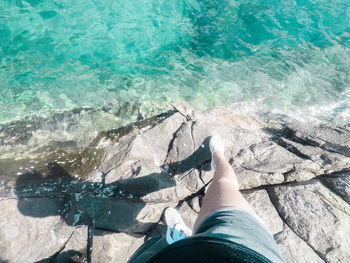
(65, 204)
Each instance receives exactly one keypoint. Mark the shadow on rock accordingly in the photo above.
(115, 206)
(197, 160)
(112, 206)
(70, 256)
(3, 261)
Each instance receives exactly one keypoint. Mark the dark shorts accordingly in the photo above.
(229, 224)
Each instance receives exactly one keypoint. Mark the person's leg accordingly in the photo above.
(223, 190)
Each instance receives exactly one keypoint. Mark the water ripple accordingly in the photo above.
(269, 56)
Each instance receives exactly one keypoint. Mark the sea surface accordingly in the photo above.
(114, 61)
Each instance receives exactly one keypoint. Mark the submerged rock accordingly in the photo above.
(295, 178)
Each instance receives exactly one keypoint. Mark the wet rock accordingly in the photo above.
(31, 133)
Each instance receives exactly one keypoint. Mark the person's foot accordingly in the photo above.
(215, 145)
(174, 220)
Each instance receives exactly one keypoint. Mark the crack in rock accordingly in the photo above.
(267, 164)
(271, 197)
(171, 143)
(291, 148)
(193, 142)
(305, 138)
(54, 256)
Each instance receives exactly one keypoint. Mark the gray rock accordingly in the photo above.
(260, 201)
(206, 175)
(294, 249)
(132, 216)
(324, 162)
(333, 139)
(237, 131)
(149, 146)
(191, 180)
(130, 174)
(268, 163)
(75, 248)
(114, 247)
(190, 138)
(185, 109)
(30, 239)
(195, 203)
(317, 216)
(180, 154)
(339, 184)
(188, 214)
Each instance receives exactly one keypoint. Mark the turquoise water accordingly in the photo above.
(289, 57)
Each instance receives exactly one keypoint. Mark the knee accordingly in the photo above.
(226, 181)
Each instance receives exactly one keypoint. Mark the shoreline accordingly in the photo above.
(82, 125)
(123, 181)
(23, 151)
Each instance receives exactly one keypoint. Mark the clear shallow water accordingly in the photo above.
(289, 57)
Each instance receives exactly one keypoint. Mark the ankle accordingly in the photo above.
(218, 157)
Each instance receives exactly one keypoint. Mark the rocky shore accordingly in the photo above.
(110, 196)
